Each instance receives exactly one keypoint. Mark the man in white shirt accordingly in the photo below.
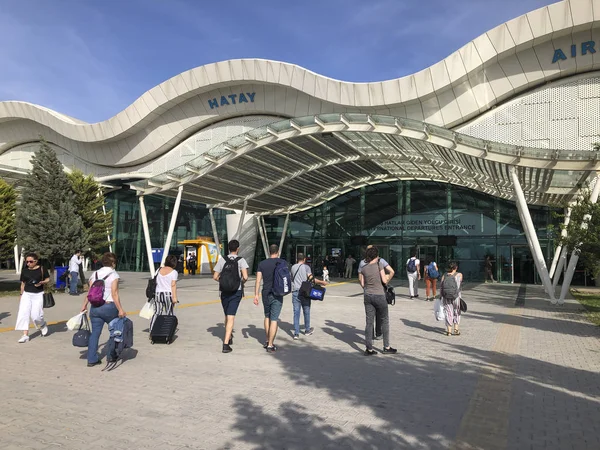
(349, 265)
(74, 264)
(231, 285)
(413, 272)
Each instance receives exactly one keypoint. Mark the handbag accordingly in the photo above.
(82, 337)
(317, 293)
(390, 294)
(148, 310)
(463, 305)
(49, 300)
(438, 310)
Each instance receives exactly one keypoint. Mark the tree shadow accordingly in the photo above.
(410, 400)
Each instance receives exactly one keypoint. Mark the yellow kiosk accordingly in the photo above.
(204, 250)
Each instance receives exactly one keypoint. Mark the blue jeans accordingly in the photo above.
(298, 303)
(73, 285)
(99, 316)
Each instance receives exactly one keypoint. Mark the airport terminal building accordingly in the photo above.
(465, 159)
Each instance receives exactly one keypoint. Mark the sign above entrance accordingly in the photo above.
(586, 47)
(460, 224)
(231, 99)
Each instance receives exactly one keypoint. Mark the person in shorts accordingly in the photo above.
(272, 303)
(231, 301)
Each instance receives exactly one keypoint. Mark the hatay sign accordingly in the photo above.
(459, 224)
(231, 99)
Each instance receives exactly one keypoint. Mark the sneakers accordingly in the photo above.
(310, 331)
(230, 341)
(266, 344)
(227, 348)
(370, 352)
(296, 337)
(271, 349)
(389, 351)
(97, 363)
(44, 330)
(24, 339)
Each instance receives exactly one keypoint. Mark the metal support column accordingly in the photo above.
(575, 254)
(147, 235)
(560, 266)
(214, 230)
(17, 267)
(531, 234)
(171, 226)
(283, 233)
(263, 235)
(558, 251)
(104, 212)
(238, 234)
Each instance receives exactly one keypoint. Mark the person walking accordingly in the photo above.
(192, 263)
(166, 289)
(272, 303)
(110, 310)
(231, 273)
(489, 273)
(372, 280)
(349, 264)
(31, 304)
(451, 294)
(74, 267)
(413, 272)
(431, 274)
(300, 273)
(383, 264)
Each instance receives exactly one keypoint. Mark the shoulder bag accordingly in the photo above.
(81, 338)
(48, 297)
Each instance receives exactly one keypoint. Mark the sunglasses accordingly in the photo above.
(29, 261)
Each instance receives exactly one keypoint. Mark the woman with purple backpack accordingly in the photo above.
(103, 308)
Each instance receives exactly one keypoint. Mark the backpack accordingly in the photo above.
(449, 288)
(411, 265)
(229, 280)
(151, 287)
(96, 293)
(282, 279)
(431, 272)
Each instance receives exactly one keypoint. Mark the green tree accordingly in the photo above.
(8, 207)
(585, 240)
(46, 218)
(89, 203)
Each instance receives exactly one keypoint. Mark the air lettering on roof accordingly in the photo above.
(586, 47)
(232, 99)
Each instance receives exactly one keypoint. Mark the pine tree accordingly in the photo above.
(46, 219)
(8, 206)
(89, 203)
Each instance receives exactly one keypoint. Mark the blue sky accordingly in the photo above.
(90, 59)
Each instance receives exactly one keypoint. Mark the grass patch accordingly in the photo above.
(591, 302)
(10, 288)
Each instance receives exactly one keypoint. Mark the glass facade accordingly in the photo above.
(443, 222)
(193, 221)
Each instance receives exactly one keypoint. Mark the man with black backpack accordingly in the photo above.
(231, 272)
(413, 272)
(276, 282)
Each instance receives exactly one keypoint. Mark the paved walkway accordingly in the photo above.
(523, 375)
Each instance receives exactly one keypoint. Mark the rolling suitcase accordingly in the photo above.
(164, 329)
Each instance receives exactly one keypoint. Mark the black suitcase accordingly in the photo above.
(163, 329)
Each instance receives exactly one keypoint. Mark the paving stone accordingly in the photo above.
(516, 378)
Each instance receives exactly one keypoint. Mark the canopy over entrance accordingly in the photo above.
(299, 163)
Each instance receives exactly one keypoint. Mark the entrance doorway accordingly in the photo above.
(308, 252)
(522, 264)
(426, 253)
